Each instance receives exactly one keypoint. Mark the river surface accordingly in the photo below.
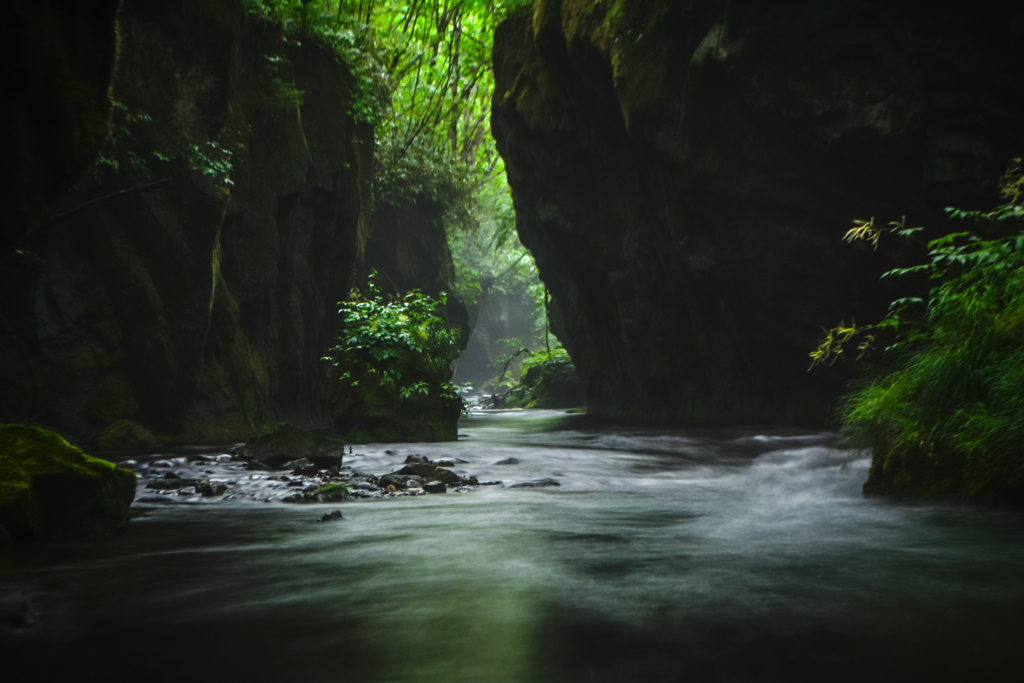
(732, 555)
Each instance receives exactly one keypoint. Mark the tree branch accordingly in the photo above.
(138, 189)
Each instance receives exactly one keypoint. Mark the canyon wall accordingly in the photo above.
(196, 305)
(684, 172)
(58, 61)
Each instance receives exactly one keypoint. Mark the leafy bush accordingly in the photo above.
(119, 152)
(402, 347)
(947, 416)
(548, 381)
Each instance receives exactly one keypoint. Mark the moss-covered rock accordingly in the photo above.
(937, 473)
(51, 490)
(367, 413)
(328, 493)
(288, 442)
(552, 384)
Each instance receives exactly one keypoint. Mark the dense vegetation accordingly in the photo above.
(424, 76)
(423, 70)
(394, 357)
(945, 413)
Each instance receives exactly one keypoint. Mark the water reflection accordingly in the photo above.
(664, 556)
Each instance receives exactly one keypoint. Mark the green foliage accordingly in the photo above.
(403, 347)
(491, 262)
(953, 393)
(117, 155)
(558, 356)
(285, 94)
(423, 78)
(548, 381)
(212, 161)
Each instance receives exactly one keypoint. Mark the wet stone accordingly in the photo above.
(536, 483)
(400, 481)
(211, 489)
(331, 516)
(435, 487)
(508, 461)
(171, 481)
(431, 472)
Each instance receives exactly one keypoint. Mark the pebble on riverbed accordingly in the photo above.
(301, 482)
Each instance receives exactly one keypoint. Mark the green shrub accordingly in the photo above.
(946, 418)
(548, 381)
(392, 364)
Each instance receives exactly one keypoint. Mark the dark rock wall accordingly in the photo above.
(408, 249)
(58, 60)
(683, 173)
(200, 309)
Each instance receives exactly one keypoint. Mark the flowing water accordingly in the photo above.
(731, 555)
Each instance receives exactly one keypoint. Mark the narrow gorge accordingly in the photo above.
(511, 341)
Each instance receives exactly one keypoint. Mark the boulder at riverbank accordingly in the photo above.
(287, 443)
(51, 490)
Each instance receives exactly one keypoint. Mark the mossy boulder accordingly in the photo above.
(288, 443)
(550, 385)
(51, 490)
(367, 413)
(328, 493)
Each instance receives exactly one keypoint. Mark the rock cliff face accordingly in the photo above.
(56, 81)
(200, 308)
(683, 173)
(408, 249)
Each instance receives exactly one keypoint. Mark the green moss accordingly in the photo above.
(549, 384)
(329, 493)
(49, 488)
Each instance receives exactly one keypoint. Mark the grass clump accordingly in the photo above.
(945, 419)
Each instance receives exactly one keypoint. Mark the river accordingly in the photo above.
(665, 555)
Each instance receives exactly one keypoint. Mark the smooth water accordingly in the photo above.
(731, 555)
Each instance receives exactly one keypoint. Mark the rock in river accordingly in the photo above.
(429, 472)
(211, 489)
(288, 443)
(536, 483)
(331, 516)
